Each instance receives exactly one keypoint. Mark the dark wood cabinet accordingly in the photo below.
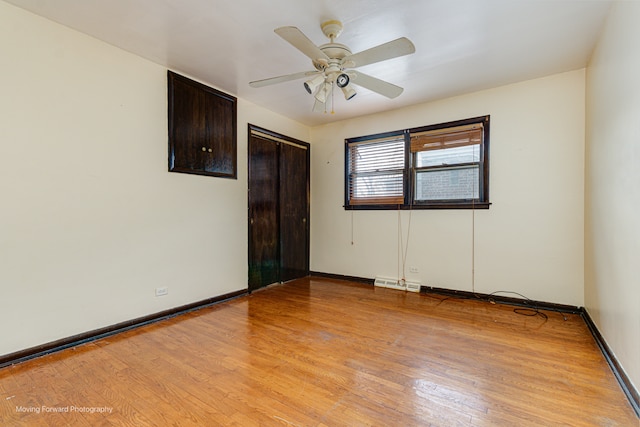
(202, 129)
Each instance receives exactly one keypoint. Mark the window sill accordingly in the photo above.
(421, 206)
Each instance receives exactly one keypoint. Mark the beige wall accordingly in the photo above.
(531, 239)
(612, 229)
(91, 222)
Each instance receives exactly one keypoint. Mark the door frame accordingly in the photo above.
(283, 139)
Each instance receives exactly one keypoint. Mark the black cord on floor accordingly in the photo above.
(440, 300)
(532, 311)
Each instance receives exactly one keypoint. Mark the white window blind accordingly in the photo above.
(376, 171)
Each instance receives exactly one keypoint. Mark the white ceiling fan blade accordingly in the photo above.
(389, 50)
(301, 42)
(281, 79)
(379, 86)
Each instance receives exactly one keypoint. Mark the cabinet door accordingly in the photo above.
(219, 124)
(190, 135)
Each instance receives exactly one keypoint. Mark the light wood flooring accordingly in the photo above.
(321, 352)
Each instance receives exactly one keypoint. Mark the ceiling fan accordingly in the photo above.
(334, 64)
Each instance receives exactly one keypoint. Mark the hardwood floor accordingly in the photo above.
(321, 352)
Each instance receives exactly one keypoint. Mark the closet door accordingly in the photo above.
(278, 209)
(264, 230)
(294, 212)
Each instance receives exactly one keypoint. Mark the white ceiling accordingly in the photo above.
(461, 45)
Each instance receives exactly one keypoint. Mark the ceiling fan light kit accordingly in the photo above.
(331, 61)
(314, 83)
(323, 93)
(348, 92)
(342, 80)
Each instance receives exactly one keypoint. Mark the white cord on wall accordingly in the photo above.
(403, 247)
(473, 246)
(473, 236)
(351, 227)
(398, 256)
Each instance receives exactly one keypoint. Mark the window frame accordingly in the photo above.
(410, 170)
(387, 136)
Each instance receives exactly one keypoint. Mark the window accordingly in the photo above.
(376, 173)
(437, 166)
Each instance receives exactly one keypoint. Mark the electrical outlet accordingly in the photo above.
(413, 270)
(162, 291)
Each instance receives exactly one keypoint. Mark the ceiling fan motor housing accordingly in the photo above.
(335, 52)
